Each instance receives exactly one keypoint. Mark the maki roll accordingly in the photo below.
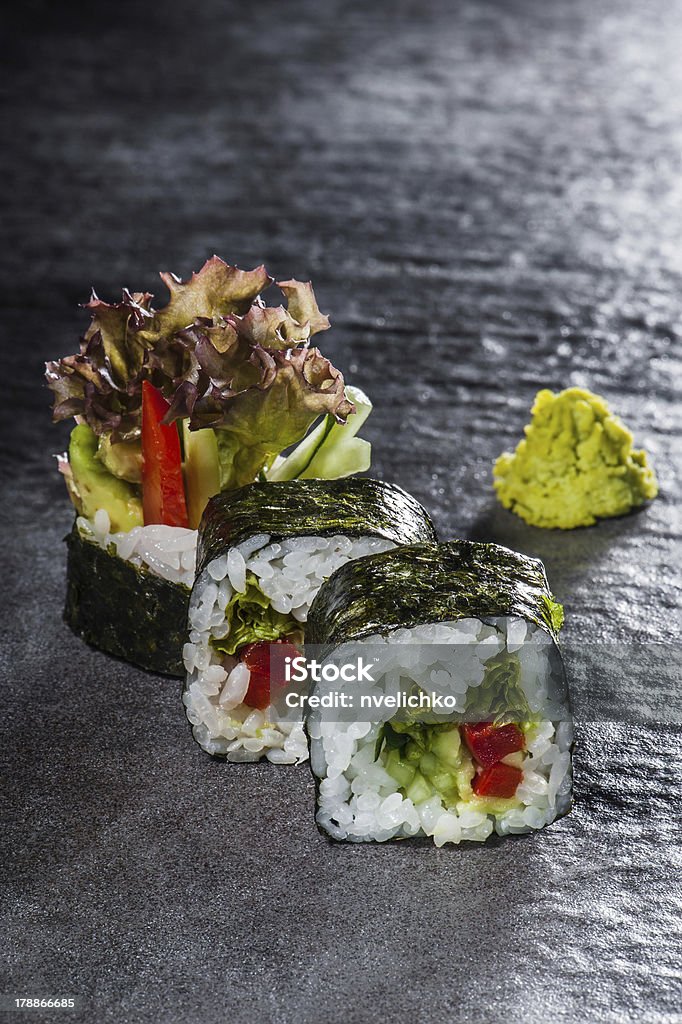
(173, 404)
(465, 727)
(128, 593)
(264, 551)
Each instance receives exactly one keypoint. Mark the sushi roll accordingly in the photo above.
(264, 551)
(174, 404)
(465, 727)
(128, 593)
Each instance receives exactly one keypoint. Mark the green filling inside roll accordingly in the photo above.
(500, 697)
(251, 617)
(429, 760)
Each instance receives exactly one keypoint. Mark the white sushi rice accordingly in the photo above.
(168, 551)
(290, 573)
(358, 799)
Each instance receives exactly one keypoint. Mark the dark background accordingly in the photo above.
(488, 199)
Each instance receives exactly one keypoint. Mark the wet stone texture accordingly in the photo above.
(487, 197)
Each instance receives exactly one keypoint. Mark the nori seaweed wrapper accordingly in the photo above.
(125, 610)
(354, 506)
(422, 583)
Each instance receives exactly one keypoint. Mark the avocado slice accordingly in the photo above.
(95, 487)
(123, 459)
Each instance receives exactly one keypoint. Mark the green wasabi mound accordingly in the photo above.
(575, 465)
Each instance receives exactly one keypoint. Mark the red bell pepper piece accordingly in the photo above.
(163, 493)
(265, 678)
(490, 743)
(500, 780)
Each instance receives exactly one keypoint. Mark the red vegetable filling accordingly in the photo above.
(163, 493)
(266, 678)
(489, 743)
(500, 780)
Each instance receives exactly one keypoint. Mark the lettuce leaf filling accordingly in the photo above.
(500, 697)
(251, 617)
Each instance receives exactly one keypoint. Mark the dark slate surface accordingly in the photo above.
(487, 197)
